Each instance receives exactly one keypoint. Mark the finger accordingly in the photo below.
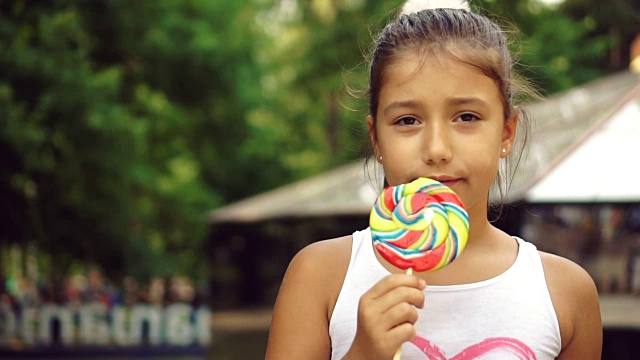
(401, 313)
(409, 295)
(377, 313)
(387, 345)
(393, 281)
(399, 335)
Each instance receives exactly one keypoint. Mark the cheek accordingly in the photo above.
(484, 160)
(489, 170)
(395, 170)
(486, 146)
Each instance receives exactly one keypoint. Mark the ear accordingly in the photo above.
(372, 135)
(509, 134)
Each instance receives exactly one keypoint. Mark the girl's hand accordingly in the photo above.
(386, 314)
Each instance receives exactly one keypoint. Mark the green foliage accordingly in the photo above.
(555, 51)
(305, 98)
(106, 104)
(124, 122)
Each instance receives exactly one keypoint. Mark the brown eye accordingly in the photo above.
(407, 120)
(468, 117)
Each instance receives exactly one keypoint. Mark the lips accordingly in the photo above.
(448, 181)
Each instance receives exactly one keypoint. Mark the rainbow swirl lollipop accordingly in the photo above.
(420, 226)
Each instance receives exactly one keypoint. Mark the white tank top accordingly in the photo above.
(507, 317)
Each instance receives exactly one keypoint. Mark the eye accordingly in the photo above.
(407, 121)
(468, 117)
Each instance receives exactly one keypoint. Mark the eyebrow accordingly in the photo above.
(467, 100)
(401, 104)
(412, 104)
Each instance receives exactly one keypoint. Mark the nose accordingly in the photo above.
(437, 144)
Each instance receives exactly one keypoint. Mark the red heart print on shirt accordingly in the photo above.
(498, 344)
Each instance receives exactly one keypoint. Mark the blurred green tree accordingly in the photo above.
(121, 124)
(571, 42)
(124, 122)
(314, 48)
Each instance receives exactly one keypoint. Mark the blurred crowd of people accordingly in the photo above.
(28, 291)
(604, 239)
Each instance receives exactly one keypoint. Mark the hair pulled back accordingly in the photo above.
(464, 36)
(461, 34)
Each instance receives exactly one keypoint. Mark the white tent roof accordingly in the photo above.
(602, 166)
(347, 190)
(583, 140)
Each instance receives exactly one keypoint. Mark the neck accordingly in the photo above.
(480, 229)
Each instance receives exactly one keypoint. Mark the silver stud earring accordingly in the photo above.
(380, 157)
(504, 150)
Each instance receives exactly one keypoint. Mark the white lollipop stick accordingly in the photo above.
(398, 353)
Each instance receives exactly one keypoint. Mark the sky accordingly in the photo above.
(552, 2)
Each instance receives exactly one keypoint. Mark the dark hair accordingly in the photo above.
(464, 36)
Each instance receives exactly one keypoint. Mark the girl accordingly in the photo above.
(441, 96)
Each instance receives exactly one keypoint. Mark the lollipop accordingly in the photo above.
(419, 226)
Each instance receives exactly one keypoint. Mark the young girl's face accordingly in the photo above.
(443, 119)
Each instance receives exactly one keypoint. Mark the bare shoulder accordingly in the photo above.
(575, 299)
(338, 249)
(321, 266)
(565, 273)
(300, 322)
